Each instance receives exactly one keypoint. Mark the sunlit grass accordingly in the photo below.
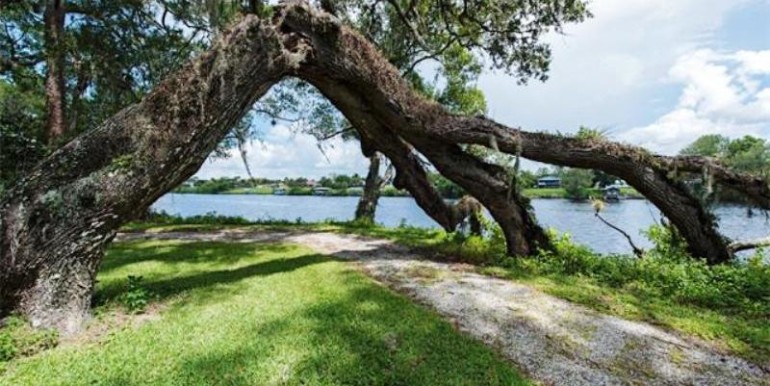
(561, 193)
(260, 314)
(742, 331)
(261, 189)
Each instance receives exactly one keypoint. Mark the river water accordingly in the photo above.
(577, 219)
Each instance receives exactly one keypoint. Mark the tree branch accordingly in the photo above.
(637, 251)
(357, 71)
(744, 245)
(336, 133)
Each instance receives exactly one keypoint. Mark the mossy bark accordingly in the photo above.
(362, 84)
(57, 221)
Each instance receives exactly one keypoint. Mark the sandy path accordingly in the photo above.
(552, 340)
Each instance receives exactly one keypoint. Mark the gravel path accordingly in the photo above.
(552, 340)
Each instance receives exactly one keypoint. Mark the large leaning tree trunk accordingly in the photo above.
(57, 221)
(347, 69)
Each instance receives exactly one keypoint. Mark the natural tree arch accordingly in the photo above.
(345, 67)
(57, 220)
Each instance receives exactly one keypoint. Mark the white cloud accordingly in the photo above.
(283, 153)
(610, 71)
(722, 93)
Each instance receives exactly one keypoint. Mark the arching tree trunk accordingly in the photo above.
(355, 76)
(367, 204)
(349, 75)
(488, 184)
(56, 221)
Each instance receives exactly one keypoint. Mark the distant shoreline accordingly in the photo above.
(533, 193)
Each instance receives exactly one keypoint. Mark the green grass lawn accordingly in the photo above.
(741, 330)
(561, 193)
(261, 189)
(259, 314)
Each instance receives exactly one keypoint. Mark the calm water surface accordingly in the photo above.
(576, 219)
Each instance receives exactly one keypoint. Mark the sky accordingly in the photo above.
(655, 73)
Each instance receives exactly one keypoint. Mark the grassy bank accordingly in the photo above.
(728, 305)
(389, 191)
(561, 193)
(257, 314)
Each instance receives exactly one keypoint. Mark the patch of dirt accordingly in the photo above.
(102, 326)
(552, 340)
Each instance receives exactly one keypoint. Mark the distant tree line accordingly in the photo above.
(747, 154)
(338, 185)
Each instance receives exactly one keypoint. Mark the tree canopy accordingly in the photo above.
(748, 153)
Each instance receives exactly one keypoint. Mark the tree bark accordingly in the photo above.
(56, 221)
(410, 174)
(53, 39)
(346, 68)
(754, 188)
(488, 184)
(367, 205)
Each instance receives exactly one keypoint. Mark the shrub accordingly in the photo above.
(666, 242)
(488, 248)
(476, 250)
(566, 256)
(137, 296)
(577, 183)
(742, 287)
(211, 218)
(8, 348)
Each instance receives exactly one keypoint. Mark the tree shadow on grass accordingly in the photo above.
(179, 251)
(163, 287)
(371, 336)
(367, 336)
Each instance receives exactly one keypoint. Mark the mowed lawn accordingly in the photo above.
(259, 314)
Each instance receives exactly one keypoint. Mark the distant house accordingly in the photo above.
(549, 182)
(321, 191)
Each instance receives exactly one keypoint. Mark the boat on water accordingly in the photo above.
(611, 193)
